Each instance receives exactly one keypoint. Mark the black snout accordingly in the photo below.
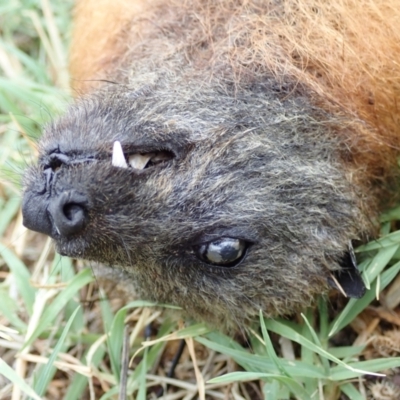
(34, 213)
(69, 212)
(65, 214)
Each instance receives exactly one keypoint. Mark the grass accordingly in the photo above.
(61, 338)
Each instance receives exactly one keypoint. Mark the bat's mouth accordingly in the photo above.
(138, 161)
(74, 248)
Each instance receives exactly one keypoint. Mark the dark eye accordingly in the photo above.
(224, 252)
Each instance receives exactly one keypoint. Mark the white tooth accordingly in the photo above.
(139, 161)
(118, 158)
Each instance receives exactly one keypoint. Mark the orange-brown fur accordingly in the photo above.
(346, 52)
(97, 27)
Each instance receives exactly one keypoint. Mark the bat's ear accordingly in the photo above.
(348, 280)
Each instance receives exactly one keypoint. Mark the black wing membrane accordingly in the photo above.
(349, 277)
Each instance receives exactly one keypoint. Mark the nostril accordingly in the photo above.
(72, 211)
(69, 212)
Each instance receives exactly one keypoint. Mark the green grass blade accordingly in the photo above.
(291, 334)
(346, 351)
(380, 261)
(339, 373)
(46, 375)
(294, 386)
(316, 341)
(386, 241)
(255, 363)
(273, 390)
(22, 277)
(8, 212)
(141, 395)
(135, 380)
(8, 310)
(270, 348)
(79, 383)
(351, 392)
(54, 308)
(391, 215)
(114, 341)
(10, 374)
(355, 306)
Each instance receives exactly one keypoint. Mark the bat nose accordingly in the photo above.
(64, 214)
(35, 215)
(68, 212)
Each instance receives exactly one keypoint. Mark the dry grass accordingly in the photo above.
(60, 337)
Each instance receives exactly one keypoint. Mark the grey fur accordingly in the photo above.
(257, 162)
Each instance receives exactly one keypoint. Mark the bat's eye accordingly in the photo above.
(224, 252)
